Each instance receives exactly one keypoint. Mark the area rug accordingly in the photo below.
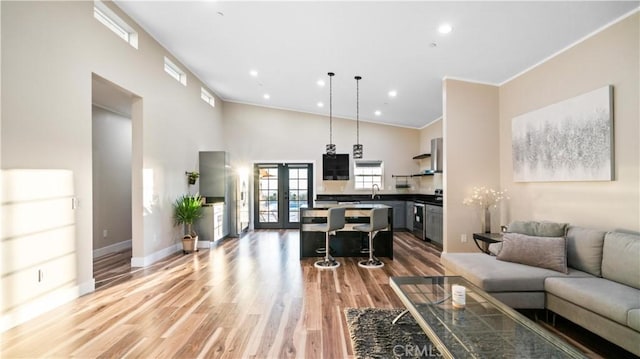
(374, 336)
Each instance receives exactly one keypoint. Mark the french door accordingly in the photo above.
(280, 190)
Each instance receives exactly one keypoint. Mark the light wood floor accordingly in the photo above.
(112, 268)
(249, 297)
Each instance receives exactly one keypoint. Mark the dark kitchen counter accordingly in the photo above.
(415, 197)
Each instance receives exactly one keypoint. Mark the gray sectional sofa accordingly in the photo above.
(600, 289)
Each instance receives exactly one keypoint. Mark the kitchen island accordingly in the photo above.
(347, 242)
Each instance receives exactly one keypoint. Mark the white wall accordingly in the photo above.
(609, 58)
(471, 156)
(49, 52)
(111, 178)
(477, 138)
(259, 134)
(37, 243)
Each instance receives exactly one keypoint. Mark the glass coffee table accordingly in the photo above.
(484, 328)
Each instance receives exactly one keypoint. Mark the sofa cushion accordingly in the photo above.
(493, 275)
(621, 258)
(538, 229)
(633, 319)
(584, 249)
(543, 252)
(607, 298)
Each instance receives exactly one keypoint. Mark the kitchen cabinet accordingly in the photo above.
(216, 185)
(408, 224)
(213, 173)
(433, 229)
(399, 211)
(399, 214)
(210, 227)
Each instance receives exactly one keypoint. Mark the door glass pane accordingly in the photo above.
(268, 201)
(297, 192)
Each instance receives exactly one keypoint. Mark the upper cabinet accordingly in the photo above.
(213, 173)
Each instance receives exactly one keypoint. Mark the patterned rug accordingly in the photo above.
(374, 336)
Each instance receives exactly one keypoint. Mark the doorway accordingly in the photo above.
(112, 133)
(280, 190)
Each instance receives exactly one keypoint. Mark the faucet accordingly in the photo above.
(373, 190)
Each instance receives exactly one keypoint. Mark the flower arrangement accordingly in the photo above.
(485, 197)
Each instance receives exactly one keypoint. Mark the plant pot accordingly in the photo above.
(192, 181)
(189, 244)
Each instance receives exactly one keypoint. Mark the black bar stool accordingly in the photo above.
(335, 221)
(378, 220)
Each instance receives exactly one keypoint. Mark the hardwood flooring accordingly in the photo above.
(250, 297)
(112, 268)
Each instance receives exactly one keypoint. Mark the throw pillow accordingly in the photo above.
(621, 258)
(538, 229)
(584, 249)
(494, 248)
(542, 252)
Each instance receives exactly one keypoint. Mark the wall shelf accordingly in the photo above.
(424, 155)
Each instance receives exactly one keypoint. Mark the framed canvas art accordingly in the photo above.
(571, 140)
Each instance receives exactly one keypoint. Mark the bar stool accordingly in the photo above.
(378, 220)
(335, 221)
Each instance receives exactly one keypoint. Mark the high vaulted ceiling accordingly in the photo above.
(392, 45)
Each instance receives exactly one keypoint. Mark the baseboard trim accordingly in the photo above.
(116, 247)
(87, 287)
(40, 306)
(202, 244)
(154, 257)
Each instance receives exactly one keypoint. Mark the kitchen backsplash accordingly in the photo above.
(426, 185)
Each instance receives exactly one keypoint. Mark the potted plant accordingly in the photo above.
(193, 177)
(186, 210)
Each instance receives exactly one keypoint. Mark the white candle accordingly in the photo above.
(458, 295)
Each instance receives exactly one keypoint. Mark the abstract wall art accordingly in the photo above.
(571, 140)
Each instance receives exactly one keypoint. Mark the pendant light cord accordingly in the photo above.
(358, 109)
(330, 106)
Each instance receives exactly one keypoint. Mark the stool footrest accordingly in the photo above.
(327, 264)
(371, 263)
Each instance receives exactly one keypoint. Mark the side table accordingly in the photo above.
(486, 239)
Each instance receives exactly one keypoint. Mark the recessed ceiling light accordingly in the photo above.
(320, 83)
(378, 113)
(320, 104)
(445, 29)
(393, 93)
(253, 73)
(266, 96)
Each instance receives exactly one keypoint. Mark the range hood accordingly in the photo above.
(436, 155)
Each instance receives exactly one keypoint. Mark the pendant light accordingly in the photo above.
(357, 148)
(331, 147)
